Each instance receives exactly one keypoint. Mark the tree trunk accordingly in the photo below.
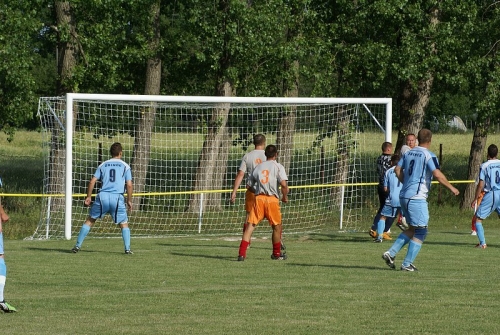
(343, 136)
(475, 159)
(212, 163)
(143, 132)
(415, 98)
(286, 125)
(66, 62)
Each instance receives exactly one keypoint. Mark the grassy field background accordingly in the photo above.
(332, 283)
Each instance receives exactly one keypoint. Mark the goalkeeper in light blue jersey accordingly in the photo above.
(116, 179)
(415, 170)
(489, 182)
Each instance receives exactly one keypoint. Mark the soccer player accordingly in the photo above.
(415, 170)
(392, 187)
(489, 182)
(411, 142)
(4, 306)
(383, 164)
(266, 177)
(116, 178)
(248, 164)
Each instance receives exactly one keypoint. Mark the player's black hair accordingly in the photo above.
(259, 139)
(115, 149)
(386, 145)
(492, 151)
(271, 151)
(394, 159)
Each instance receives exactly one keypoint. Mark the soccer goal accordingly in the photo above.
(185, 151)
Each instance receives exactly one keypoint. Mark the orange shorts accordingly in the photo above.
(266, 206)
(249, 200)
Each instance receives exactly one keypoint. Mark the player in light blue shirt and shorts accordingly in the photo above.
(489, 182)
(415, 170)
(116, 178)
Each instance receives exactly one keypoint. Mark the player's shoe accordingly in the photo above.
(473, 233)
(373, 233)
(481, 246)
(75, 249)
(241, 258)
(386, 236)
(282, 246)
(388, 259)
(401, 226)
(410, 268)
(281, 257)
(7, 308)
(377, 240)
(128, 252)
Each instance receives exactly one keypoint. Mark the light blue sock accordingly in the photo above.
(380, 228)
(82, 234)
(126, 238)
(480, 232)
(3, 276)
(398, 244)
(413, 250)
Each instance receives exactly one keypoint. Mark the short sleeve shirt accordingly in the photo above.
(489, 172)
(418, 165)
(113, 174)
(267, 176)
(250, 161)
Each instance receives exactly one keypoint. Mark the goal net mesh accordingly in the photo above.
(185, 156)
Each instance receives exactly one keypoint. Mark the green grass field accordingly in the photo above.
(332, 283)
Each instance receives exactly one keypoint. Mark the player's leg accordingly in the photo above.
(84, 230)
(119, 214)
(414, 247)
(4, 306)
(484, 210)
(380, 228)
(249, 203)
(97, 210)
(273, 215)
(255, 216)
(403, 239)
(382, 195)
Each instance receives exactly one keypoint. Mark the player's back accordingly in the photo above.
(490, 173)
(267, 176)
(113, 174)
(250, 161)
(418, 165)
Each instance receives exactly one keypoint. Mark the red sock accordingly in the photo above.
(243, 248)
(277, 249)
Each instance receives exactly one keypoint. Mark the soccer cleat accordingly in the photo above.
(75, 249)
(241, 258)
(373, 233)
(388, 259)
(7, 308)
(128, 252)
(481, 246)
(386, 236)
(281, 257)
(377, 240)
(410, 268)
(473, 233)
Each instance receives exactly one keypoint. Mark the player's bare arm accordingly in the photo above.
(236, 185)
(441, 178)
(284, 191)
(130, 189)
(90, 188)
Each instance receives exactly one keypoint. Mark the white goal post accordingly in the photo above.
(185, 151)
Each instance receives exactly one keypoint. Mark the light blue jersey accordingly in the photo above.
(113, 174)
(418, 165)
(394, 186)
(489, 172)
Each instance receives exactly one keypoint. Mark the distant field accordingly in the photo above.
(22, 169)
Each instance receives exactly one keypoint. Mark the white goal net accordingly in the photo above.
(185, 152)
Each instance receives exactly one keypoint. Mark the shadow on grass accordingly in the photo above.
(229, 258)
